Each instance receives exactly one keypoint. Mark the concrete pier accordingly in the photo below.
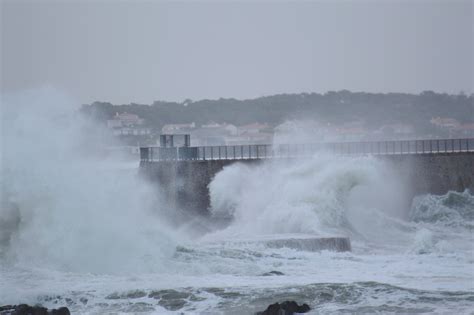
(185, 182)
(315, 244)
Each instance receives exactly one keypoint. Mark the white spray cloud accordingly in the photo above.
(74, 211)
(324, 195)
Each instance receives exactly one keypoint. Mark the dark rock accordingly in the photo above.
(285, 308)
(126, 295)
(61, 311)
(31, 310)
(24, 309)
(172, 305)
(83, 300)
(135, 294)
(273, 273)
(168, 294)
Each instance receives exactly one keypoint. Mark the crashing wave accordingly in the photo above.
(322, 195)
(451, 209)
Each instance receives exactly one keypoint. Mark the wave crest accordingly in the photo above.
(322, 195)
(452, 209)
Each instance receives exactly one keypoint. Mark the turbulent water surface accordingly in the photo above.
(90, 235)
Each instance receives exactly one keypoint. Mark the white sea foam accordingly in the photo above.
(452, 209)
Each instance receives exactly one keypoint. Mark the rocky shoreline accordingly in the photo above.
(24, 309)
(285, 308)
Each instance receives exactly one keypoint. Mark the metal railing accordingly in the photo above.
(265, 151)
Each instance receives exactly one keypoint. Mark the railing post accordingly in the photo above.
(143, 153)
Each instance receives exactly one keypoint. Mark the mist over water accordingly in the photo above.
(83, 230)
(65, 206)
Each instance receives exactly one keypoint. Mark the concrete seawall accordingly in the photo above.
(185, 183)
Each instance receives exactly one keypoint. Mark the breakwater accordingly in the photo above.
(185, 182)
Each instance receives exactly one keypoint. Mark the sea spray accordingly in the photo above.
(66, 207)
(323, 195)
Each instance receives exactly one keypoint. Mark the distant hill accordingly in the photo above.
(372, 109)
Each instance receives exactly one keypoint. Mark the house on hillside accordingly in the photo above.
(446, 123)
(255, 133)
(351, 131)
(178, 128)
(213, 134)
(252, 129)
(124, 120)
(132, 131)
(126, 124)
(395, 131)
(465, 130)
(302, 131)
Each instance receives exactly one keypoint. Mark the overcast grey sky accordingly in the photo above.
(134, 51)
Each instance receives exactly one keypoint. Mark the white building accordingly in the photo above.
(177, 128)
(124, 120)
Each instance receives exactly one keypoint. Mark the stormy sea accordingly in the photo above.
(88, 233)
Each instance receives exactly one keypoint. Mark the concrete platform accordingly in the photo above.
(315, 244)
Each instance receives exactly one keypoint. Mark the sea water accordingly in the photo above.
(87, 233)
